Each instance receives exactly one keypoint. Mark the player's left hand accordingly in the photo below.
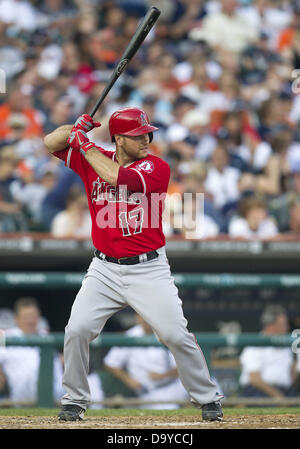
(79, 141)
(86, 123)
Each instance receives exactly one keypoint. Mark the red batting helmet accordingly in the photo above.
(130, 122)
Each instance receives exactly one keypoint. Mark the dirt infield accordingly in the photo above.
(285, 421)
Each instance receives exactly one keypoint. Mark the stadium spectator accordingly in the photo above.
(60, 114)
(228, 98)
(176, 132)
(253, 221)
(19, 101)
(20, 14)
(17, 124)
(200, 217)
(201, 89)
(294, 222)
(183, 14)
(168, 85)
(269, 371)
(94, 380)
(74, 221)
(284, 207)
(267, 16)
(30, 190)
(149, 372)
(226, 29)
(55, 199)
(27, 149)
(11, 214)
(286, 37)
(297, 381)
(242, 142)
(222, 179)
(19, 365)
(197, 124)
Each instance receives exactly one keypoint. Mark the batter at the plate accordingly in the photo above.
(125, 191)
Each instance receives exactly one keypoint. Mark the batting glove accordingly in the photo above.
(86, 123)
(79, 141)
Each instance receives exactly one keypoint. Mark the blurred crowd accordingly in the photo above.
(219, 79)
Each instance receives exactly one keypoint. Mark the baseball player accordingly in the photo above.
(125, 190)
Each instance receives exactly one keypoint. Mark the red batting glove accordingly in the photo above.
(79, 141)
(86, 123)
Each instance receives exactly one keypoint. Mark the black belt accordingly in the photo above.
(127, 260)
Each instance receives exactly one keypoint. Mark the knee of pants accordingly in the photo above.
(171, 338)
(80, 330)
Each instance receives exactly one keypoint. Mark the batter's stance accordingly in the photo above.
(125, 191)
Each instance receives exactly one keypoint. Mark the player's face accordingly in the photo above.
(135, 147)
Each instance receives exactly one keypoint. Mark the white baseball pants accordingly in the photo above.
(149, 289)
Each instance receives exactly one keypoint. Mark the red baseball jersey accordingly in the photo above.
(124, 223)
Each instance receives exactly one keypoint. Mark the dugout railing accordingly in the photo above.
(72, 280)
(49, 344)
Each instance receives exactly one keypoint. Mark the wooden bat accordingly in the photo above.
(133, 46)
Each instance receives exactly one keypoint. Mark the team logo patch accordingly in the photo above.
(144, 121)
(146, 166)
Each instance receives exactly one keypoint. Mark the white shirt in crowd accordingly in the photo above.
(298, 360)
(272, 21)
(140, 361)
(207, 100)
(30, 195)
(205, 227)
(273, 364)
(95, 385)
(21, 14)
(62, 224)
(223, 185)
(239, 227)
(231, 33)
(261, 155)
(21, 366)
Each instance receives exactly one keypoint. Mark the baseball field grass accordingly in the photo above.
(138, 412)
(185, 418)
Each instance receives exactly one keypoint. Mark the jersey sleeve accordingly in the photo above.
(154, 174)
(76, 161)
(131, 179)
(72, 159)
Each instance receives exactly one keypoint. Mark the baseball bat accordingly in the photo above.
(133, 46)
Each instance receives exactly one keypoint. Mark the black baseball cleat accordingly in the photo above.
(212, 411)
(71, 413)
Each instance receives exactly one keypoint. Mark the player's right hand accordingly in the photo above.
(77, 138)
(79, 141)
(86, 123)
